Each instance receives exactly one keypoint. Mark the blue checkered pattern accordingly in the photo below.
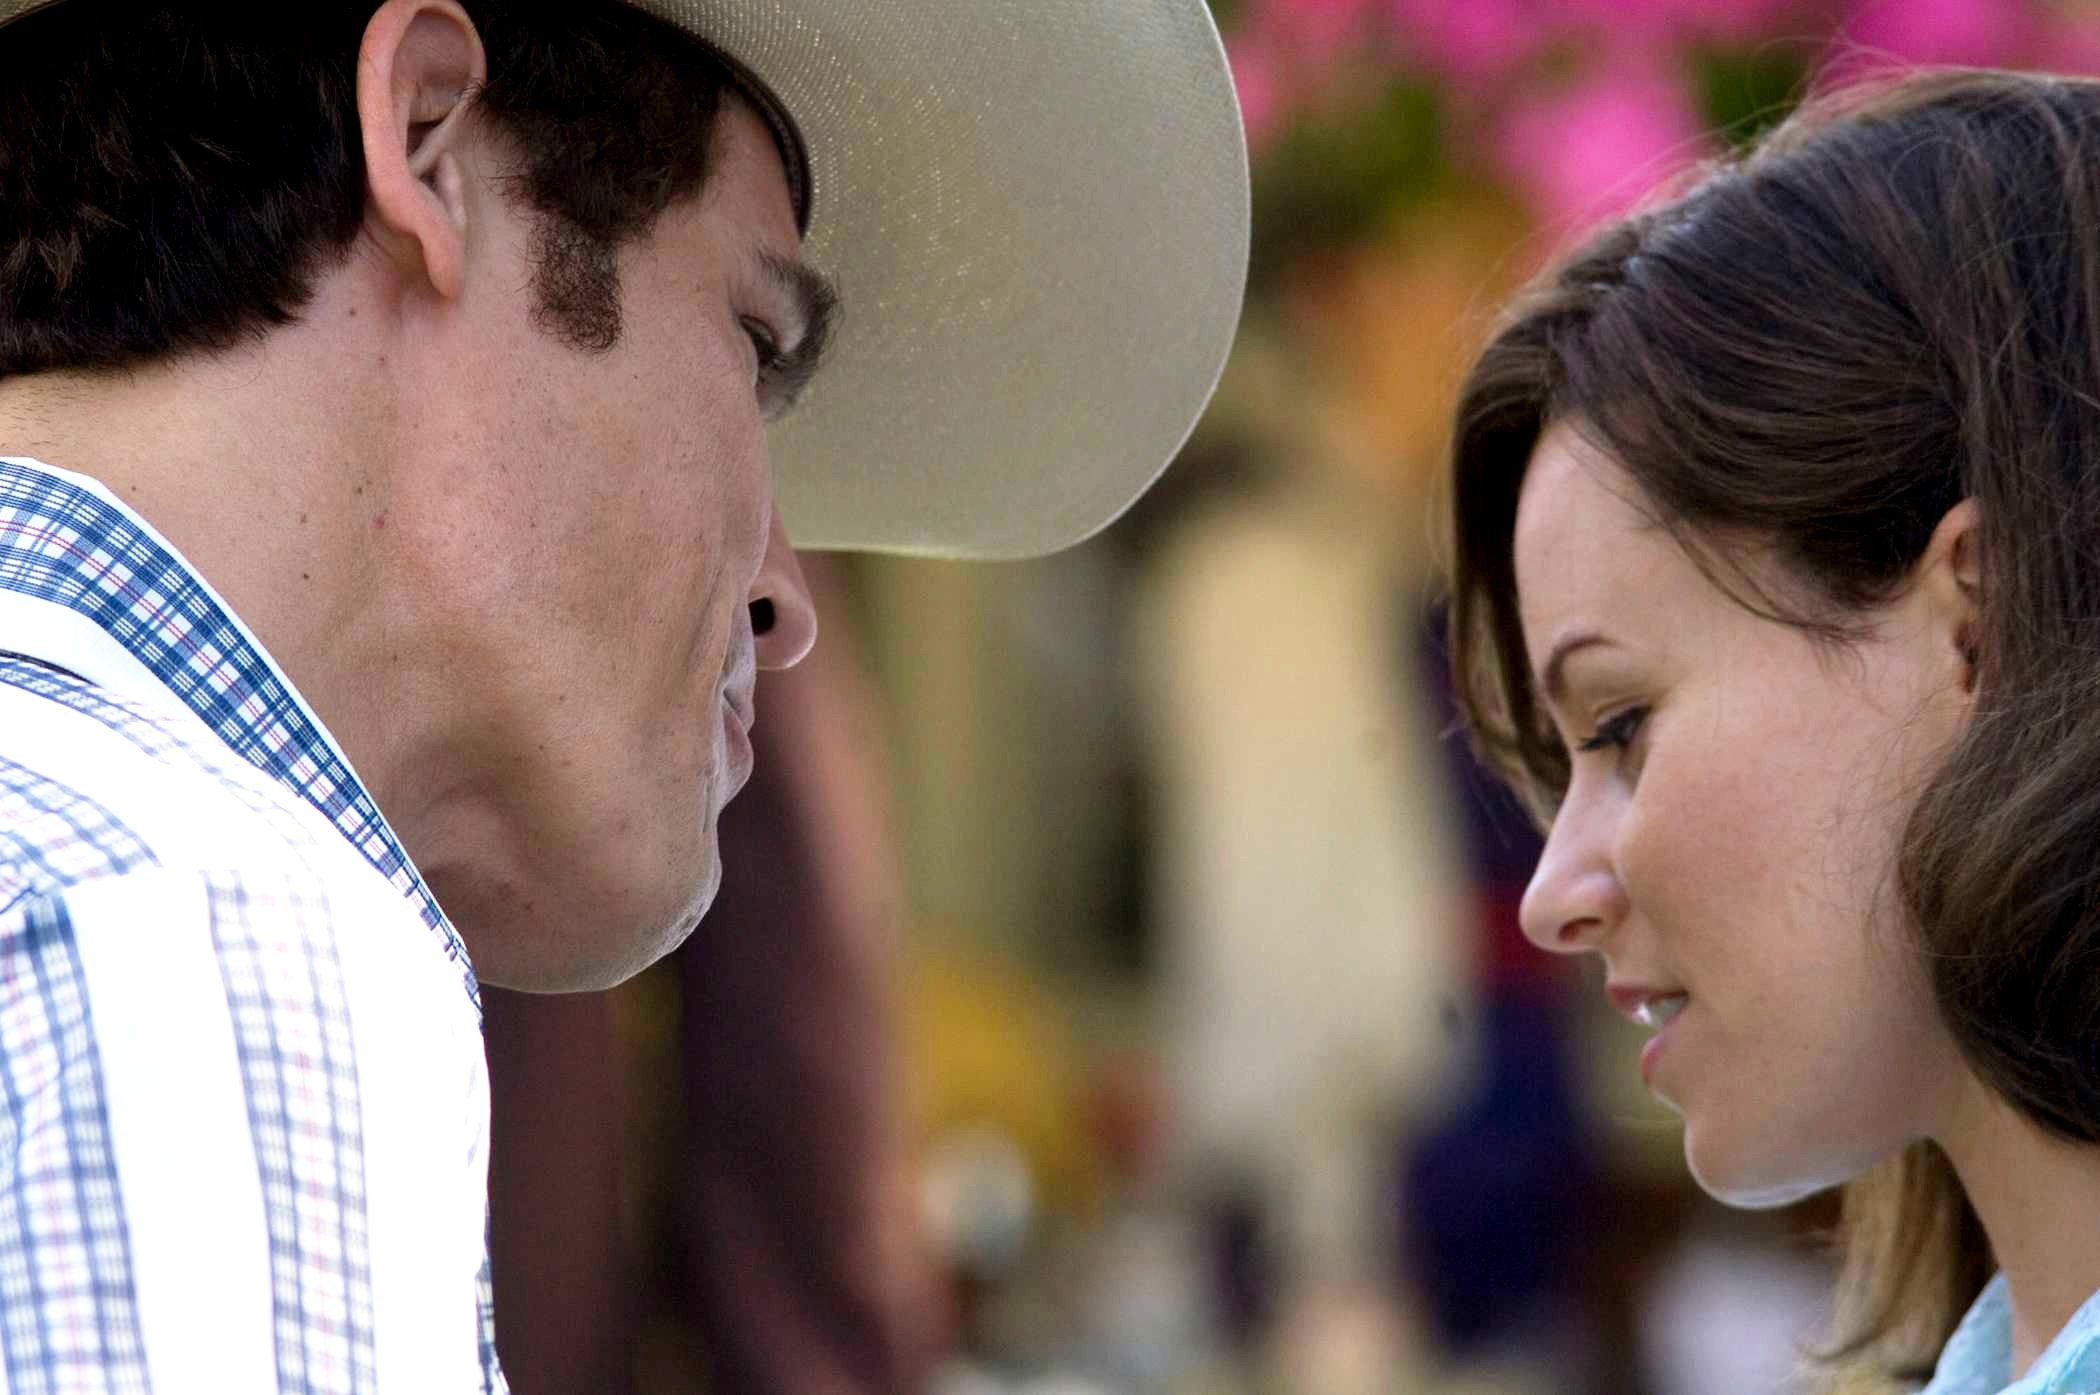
(68, 1316)
(52, 836)
(285, 990)
(62, 543)
(61, 1199)
(492, 1382)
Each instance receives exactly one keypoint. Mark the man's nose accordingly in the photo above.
(783, 618)
(1575, 897)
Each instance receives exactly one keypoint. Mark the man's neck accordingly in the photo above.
(270, 468)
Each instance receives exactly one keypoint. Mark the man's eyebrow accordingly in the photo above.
(1553, 677)
(816, 300)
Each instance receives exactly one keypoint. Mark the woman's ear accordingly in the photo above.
(1951, 574)
(417, 71)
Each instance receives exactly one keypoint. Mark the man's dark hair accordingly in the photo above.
(174, 174)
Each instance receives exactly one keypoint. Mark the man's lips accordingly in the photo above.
(740, 714)
(736, 738)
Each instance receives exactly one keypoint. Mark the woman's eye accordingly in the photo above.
(1616, 732)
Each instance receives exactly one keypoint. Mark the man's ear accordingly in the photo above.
(1951, 571)
(417, 71)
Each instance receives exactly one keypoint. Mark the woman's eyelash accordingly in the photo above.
(1617, 731)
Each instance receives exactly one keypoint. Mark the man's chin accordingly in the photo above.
(586, 954)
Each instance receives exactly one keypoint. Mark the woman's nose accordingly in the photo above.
(783, 618)
(1575, 896)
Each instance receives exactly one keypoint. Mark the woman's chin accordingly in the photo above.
(1750, 1181)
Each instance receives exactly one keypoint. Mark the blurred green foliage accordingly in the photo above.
(1334, 175)
(1744, 93)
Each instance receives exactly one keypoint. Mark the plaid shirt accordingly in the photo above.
(236, 1031)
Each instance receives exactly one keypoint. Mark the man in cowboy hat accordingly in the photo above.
(388, 540)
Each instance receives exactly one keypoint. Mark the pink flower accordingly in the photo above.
(1318, 31)
(1481, 42)
(1470, 40)
(1258, 75)
(1746, 21)
(1590, 152)
(1636, 24)
(1882, 33)
(2068, 45)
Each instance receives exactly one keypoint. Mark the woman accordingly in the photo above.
(1777, 591)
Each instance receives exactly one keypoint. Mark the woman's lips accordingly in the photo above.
(1659, 1011)
(1646, 1004)
(1655, 1008)
(1662, 1014)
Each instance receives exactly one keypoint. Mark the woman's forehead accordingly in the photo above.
(1575, 515)
(1589, 557)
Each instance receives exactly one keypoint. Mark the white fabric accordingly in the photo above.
(178, 1117)
(243, 1101)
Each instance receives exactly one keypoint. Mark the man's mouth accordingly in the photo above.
(737, 753)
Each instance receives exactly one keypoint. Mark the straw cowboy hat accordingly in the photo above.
(1037, 213)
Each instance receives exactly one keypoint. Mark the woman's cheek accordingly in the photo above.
(1678, 841)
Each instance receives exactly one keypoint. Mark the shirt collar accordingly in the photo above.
(89, 586)
(1977, 1359)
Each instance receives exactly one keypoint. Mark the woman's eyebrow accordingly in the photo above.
(1553, 677)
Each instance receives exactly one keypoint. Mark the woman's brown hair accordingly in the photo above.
(1807, 357)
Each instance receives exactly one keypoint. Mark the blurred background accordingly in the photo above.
(1117, 986)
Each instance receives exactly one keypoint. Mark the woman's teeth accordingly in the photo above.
(1656, 1013)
